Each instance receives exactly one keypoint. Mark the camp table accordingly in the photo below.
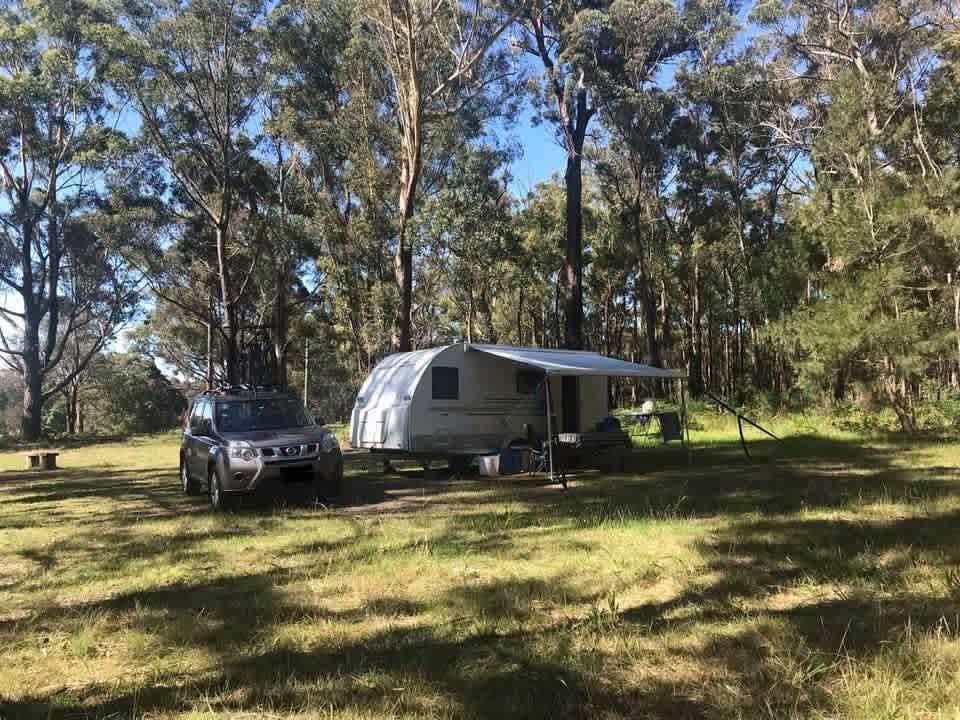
(667, 420)
(570, 448)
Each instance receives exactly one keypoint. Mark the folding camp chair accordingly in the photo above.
(539, 452)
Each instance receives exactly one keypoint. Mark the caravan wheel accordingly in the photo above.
(459, 464)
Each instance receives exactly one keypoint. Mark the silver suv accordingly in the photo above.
(238, 440)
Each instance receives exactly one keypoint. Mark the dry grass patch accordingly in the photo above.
(821, 581)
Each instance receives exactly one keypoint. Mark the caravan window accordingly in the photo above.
(446, 383)
(528, 381)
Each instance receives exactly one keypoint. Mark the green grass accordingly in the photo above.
(821, 580)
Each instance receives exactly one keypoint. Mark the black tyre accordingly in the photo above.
(187, 483)
(219, 500)
(330, 486)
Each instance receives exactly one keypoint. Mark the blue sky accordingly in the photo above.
(541, 158)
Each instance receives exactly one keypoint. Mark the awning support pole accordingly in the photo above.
(549, 428)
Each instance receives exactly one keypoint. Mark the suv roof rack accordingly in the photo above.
(244, 389)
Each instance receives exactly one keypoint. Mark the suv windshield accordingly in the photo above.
(262, 414)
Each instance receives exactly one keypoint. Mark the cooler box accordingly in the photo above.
(489, 465)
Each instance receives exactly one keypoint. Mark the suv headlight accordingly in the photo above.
(329, 443)
(243, 450)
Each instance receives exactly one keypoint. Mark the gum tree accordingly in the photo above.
(193, 72)
(60, 273)
(438, 56)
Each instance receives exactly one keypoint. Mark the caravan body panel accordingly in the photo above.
(454, 401)
(381, 414)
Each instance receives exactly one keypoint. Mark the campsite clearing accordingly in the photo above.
(823, 581)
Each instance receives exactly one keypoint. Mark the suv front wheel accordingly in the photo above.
(187, 483)
(218, 499)
(329, 487)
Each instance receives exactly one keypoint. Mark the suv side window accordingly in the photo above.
(201, 410)
(194, 414)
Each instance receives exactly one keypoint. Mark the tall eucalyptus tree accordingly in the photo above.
(441, 57)
(61, 275)
(193, 71)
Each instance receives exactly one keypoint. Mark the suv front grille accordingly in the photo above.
(290, 452)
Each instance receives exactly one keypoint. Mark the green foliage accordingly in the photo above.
(123, 394)
(62, 266)
(819, 582)
(770, 203)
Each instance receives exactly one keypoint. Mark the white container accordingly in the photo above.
(489, 465)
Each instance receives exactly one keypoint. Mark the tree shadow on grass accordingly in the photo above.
(808, 472)
(415, 671)
(799, 473)
(557, 671)
(805, 473)
(774, 576)
(93, 496)
(830, 590)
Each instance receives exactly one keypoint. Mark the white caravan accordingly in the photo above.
(468, 399)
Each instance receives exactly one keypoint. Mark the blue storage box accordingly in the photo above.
(510, 461)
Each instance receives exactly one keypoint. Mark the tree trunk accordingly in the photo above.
(556, 312)
(403, 274)
(410, 142)
(572, 286)
(483, 305)
(647, 295)
(70, 398)
(956, 321)
(900, 404)
(470, 316)
(281, 328)
(650, 322)
(520, 315)
(696, 335)
(31, 422)
(230, 329)
(210, 360)
(573, 261)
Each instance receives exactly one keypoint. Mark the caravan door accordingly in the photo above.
(373, 427)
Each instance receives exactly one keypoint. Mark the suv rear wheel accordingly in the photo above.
(187, 483)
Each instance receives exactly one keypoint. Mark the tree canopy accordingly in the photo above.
(764, 196)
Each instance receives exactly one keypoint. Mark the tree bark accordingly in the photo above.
(696, 334)
(403, 259)
(520, 315)
(281, 329)
(573, 261)
(74, 411)
(956, 322)
(483, 305)
(230, 325)
(210, 359)
(30, 424)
